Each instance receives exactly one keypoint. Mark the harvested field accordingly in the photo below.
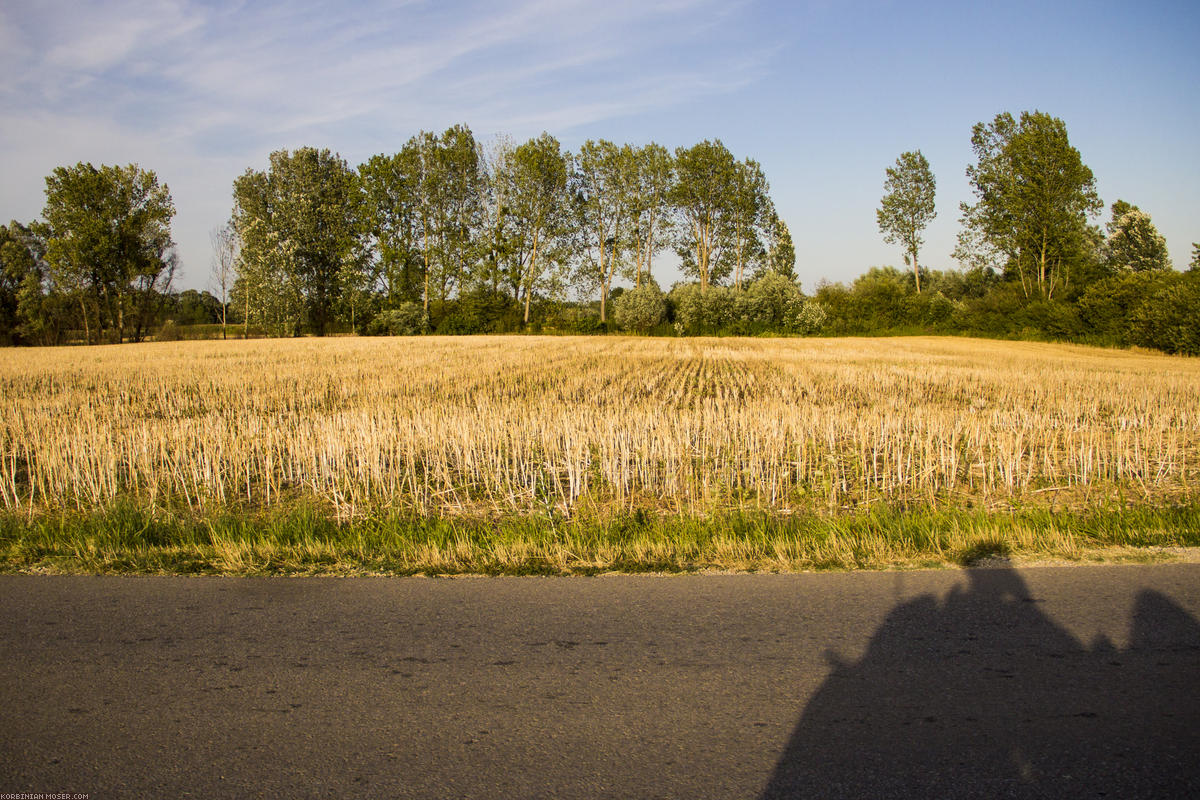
(487, 426)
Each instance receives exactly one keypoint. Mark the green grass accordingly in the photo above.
(302, 540)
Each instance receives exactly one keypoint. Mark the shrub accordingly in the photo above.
(810, 318)
(699, 311)
(1170, 319)
(408, 319)
(640, 309)
(168, 332)
(1107, 306)
(769, 304)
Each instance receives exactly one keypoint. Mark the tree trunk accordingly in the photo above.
(650, 248)
(1042, 268)
(916, 270)
(529, 283)
(737, 279)
(87, 328)
(425, 296)
(603, 278)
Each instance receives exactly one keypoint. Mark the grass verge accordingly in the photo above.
(303, 541)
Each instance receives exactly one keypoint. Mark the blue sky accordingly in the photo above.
(824, 94)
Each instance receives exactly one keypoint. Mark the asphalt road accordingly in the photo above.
(1047, 682)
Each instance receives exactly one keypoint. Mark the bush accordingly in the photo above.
(1107, 306)
(699, 311)
(810, 318)
(168, 332)
(768, 305)
(478, 310)
(640, 309)
(1170, 319)
(589, 325)
(939, 309)
(408, 319)
(1053, 319)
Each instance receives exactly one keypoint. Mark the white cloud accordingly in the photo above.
(201, 91)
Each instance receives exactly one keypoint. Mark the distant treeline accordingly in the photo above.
(451, 236)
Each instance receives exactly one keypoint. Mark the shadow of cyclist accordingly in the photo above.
(980, 694)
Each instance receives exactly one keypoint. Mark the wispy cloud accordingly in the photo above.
(200, 90)
(282, 69)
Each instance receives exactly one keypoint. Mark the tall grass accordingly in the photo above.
(301, 540)
(486, 426)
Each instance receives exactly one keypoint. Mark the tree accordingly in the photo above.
(497, 235)
(751, 218)
(451, 194)
(1195, 265)
(1167, 320)
(781, 253)
(601, 177)
(702, 310)
(1134, 244)
(108, 245)
(1034, 196)
(20, 273)
(391, 198)
(770, 303)
(907, 207)
(268, 287)
(649, 198)
(300, 225)
(704, 196)
(535, 185)
(224, 267)
(191, 307)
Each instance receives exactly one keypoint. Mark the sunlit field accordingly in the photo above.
(494, 428)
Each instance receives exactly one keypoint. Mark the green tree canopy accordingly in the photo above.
(539, 215)
(641, 308)
(907, 207)
(752, 216)
(108, 245)
(702, 195)
(603, 179)
(21, 275)
(300, 224)
(1134, 244)
(451, 191)
(649, 198)
(391, 200)
(781, 253)
(1033, 198)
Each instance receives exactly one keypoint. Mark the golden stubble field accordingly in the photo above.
(498, 425)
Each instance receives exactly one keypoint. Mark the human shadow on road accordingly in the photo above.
(981, 694)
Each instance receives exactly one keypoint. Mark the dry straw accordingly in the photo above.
(496, 425)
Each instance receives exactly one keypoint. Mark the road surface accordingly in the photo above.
(1042, 682)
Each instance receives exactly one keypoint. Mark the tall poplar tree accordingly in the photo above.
(391, 195)
(602, 177)
(704, 196)
(649, 199)
(907, 207)
(751, 217)
(540, 215)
